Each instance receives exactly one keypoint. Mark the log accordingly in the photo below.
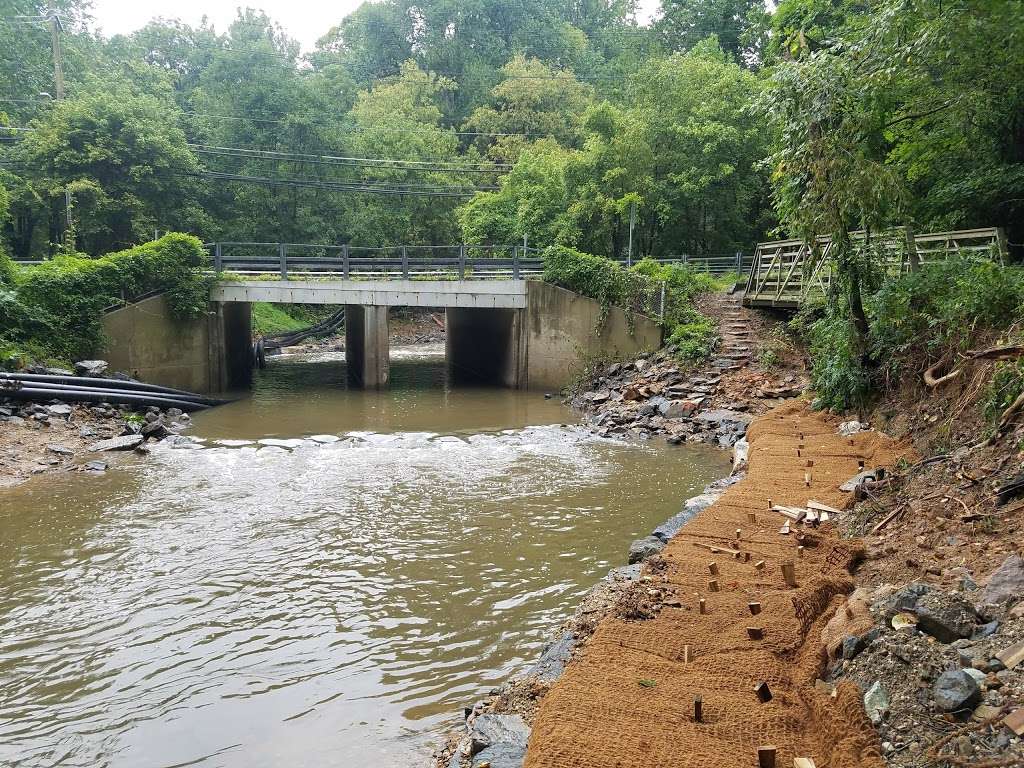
(766, 756)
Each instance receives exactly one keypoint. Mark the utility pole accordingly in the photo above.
(58, 70)
(632, 221)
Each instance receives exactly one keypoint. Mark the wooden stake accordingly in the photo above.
(755, 608)
(703, 605)
(799, 551)
(770, 504)
(713, 567)
(751, 517)
(766, 756)
(789, 573)
(764, 693)
(739, 533)
(713, 585)
(698, 709)
(803, 762)
(746, 557)
(759, 565)
(807, 479)
(755, 633)
(687, 654)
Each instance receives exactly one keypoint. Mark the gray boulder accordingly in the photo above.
(123, 443)
(945, 616)
(501, 756)
(490, 730)
(691, 508)
(1006, 583)
(644, 548)
(551, 664)
(91, 367)
(956, 691)
(61, 409)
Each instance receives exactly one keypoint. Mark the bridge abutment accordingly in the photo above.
(366, 345)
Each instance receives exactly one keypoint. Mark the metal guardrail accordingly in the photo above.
(415, 261)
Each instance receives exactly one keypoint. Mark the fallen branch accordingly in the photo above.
(888, 518)
(997, 353)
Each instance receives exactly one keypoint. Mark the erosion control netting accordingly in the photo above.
(629, 699)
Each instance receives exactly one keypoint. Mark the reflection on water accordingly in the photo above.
(304, 602)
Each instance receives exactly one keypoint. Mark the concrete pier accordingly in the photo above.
(366, 345)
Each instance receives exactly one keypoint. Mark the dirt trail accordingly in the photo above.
(628, 700)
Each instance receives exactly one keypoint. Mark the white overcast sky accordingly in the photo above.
(305, 21)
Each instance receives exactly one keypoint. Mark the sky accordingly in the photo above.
(304, 21)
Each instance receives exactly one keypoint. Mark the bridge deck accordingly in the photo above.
(480, 294)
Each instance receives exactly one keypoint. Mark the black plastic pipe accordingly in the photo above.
(101, 396)
(71, 390)
(97, 383)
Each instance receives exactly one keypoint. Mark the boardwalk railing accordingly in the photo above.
(787, 273)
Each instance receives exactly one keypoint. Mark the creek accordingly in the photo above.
(330, 574)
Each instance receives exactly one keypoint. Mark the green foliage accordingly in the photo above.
(937, 310)
(695, 341)
(1006, 386)
(280, 318)
(69, 293)
(838, 373)
(639, 289)
(600, 279)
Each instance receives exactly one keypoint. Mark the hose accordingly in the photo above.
(93, 395)
(90, 382)
(72, 390)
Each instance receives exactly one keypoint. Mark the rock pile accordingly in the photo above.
(655, 394)
(942, 673)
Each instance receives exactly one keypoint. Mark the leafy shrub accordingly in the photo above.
(599, 278)
(6, 269)
(69, 293)
(939, 309)
(1004, 389)
(837, 371)
(695, 341)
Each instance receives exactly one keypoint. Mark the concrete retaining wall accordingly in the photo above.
(208, 354)
(562, 334)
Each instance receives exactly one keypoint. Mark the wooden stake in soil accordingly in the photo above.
(713, 585)
(764, 693)
(799, 551)
(739, 534)
(687, 654)
(751, 517)
(766, 756)
(803, 762)
(755, 608)
(789, 573)
(698, 710)
(755, 633)
(713, 567)
(759, 566)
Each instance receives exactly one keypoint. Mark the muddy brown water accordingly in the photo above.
(337, 591)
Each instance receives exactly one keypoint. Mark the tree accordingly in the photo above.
(123, 157)
(684, 23)
(533, 100)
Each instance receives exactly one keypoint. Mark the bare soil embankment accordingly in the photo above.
(628, 699)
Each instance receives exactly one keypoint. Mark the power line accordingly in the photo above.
(371, 162)
(338, 186)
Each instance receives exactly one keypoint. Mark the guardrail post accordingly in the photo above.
(515, 263)
(218, 259)
(405, 263)
(462, 262)
(344, 261)
(282, 257)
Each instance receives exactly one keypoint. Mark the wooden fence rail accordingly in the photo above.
(787, 273)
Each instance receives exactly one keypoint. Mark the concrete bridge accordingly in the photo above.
(514, 333)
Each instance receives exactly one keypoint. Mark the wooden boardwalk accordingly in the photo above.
(787, 273)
